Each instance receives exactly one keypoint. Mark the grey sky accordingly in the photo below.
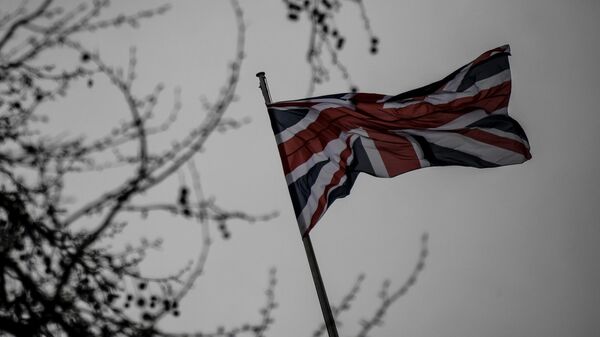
(513, 250)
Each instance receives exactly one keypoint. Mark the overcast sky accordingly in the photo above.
(513, 250)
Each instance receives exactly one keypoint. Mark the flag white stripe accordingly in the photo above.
(310, 117)
(485, 151)
(400, 104)
(467, 119)
(484, 84)
(384, 98)
(372, 153)
(318, 188)
(492, 81)
(333, 149)
(418, 151)
(290, 132)
(453, 84)
(504, 134)
(501, 111)
(445, 97)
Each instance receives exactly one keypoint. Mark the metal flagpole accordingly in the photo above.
(310, 253)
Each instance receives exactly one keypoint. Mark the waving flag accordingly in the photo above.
(326, 141)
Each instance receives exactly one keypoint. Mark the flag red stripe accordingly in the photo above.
(337, 176)
(398, 155)
(428, 115)
(331, 122)
(495, 140)
(397, 152)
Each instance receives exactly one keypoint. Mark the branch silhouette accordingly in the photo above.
(60, 275)
(386, 298)
(326, 39)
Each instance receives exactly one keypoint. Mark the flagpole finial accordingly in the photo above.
(262, 80)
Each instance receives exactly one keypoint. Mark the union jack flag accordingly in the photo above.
(326, 141)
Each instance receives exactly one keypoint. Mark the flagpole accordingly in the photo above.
(308, 247)
(316, 274)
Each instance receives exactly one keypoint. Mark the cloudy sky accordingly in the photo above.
(513, 250)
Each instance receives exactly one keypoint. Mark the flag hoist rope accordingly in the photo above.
(310, 253)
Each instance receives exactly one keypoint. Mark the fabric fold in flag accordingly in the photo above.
(326, 141)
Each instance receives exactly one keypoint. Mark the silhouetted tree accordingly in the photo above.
(59, 275)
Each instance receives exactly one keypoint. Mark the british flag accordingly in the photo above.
(325, 142)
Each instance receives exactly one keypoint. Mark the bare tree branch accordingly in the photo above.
(321, 17)
(60, 274)
(10, 32)
(387, 298)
